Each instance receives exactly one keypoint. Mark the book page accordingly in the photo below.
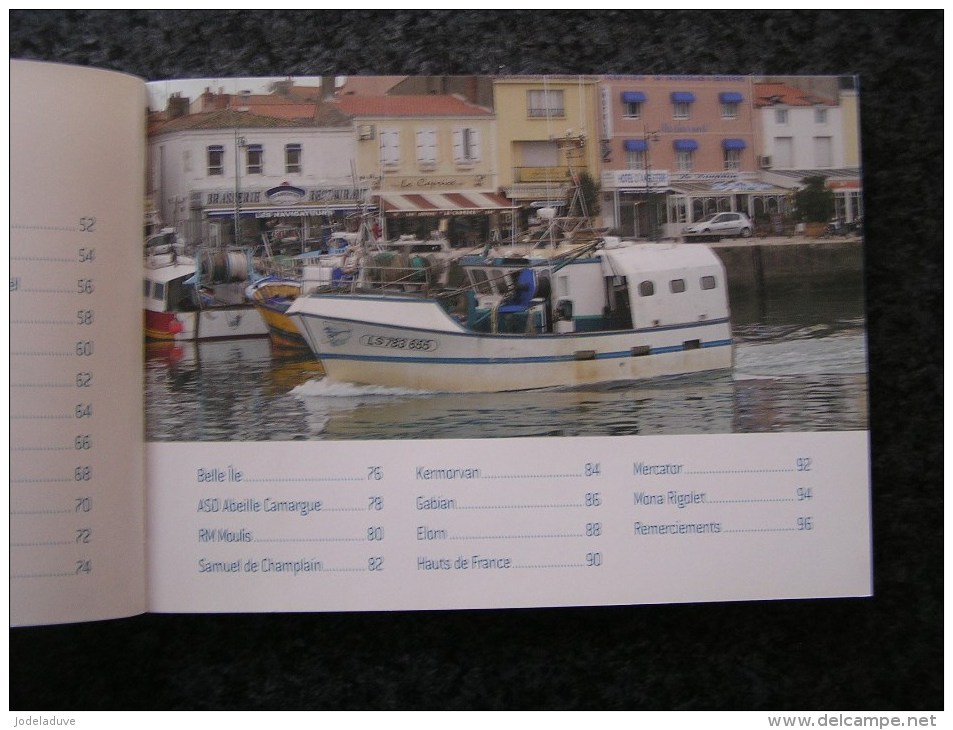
(76, 492)
(591, 348)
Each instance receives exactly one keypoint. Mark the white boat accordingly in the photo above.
(196, 297)
(607, 312)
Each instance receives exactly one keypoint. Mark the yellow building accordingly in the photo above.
(430, 160)
(547, 128)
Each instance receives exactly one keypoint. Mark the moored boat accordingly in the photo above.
(607, 311)
(201, 297)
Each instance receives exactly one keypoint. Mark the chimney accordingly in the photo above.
(327, 88)
(177, 106)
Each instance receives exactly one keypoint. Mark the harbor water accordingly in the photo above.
(800, 365)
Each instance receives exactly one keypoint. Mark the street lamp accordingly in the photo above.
(239, 145)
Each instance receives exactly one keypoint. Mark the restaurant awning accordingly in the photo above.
(459, 203)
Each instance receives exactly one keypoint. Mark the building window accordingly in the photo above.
(632, 104)
(677, 286)
(781, 116)
(545, 103)
(216, 159)
(293, 159)
(682, 104)
(729, 110)
(708, 282)
(466, 145)
(820, 115)
(390, 148)
(426, 148)
(732, 159)
(685, 160)
(730, 102)
(823, 156)
(632, 109)
(783, 152)
(254, 159)
(635, 159)
(646, 288)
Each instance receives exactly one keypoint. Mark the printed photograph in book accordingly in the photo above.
(372, 258)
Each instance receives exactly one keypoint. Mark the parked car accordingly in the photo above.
(717, 225)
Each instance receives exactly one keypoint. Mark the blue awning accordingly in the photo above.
(730, 97)
(733, 144)
(679, 97)
(685, 145)
(635, 145)
(633, 97)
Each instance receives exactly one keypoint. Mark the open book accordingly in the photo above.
(723, 464)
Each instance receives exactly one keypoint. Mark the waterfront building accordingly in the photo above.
(677, 148)
(275, 162)
(547, 131)
(810, 127)
(430, 160)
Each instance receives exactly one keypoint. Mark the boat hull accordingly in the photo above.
(206, 324)
(272, 301)
(406, 343)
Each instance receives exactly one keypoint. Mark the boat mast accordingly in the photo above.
(239, 144)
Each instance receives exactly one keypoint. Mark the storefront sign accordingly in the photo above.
(282, 195)
(544, 174)
(684, 129)
(629, 179)
(285, 194)
(435, 182)
(725, 176)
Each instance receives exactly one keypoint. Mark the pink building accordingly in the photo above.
(676, 148)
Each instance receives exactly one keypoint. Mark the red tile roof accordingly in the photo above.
(224, 119)
(369, 85)
(410, 105)
(774, 93)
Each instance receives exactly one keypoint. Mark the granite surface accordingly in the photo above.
(882, 653)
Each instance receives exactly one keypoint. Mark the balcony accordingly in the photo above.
(559, 174)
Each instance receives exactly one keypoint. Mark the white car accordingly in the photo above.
(717, 225)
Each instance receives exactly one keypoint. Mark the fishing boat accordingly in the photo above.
(603, 311)
(196, 297)
(347, 263)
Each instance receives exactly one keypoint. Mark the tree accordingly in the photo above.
(588, 190)
(815, 201)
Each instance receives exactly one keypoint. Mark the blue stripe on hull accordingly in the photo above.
(513, 360)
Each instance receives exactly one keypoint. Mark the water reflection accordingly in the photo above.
(800, 364)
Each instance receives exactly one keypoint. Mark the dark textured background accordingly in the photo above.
(880, 653)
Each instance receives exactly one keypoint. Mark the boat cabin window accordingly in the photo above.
(480, 281)
(146, 287)
(708, 282)
(677, 286)
(158, 291)
(646, 288)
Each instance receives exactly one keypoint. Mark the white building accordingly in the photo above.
(294, 170)
(807, 134)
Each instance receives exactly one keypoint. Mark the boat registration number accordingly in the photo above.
(399, 343)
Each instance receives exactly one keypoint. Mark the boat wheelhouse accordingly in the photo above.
(196, 297)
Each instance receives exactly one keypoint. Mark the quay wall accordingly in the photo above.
(758, 263)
